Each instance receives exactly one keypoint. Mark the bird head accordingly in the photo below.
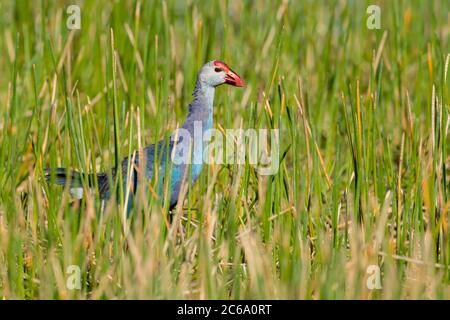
(215, 73)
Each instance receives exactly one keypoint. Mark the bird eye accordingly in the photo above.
(218, 70)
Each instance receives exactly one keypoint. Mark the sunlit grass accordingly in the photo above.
(363, 177)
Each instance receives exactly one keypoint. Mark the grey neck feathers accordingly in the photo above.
(201, 107)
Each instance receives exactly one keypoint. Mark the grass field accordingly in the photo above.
(363, 182)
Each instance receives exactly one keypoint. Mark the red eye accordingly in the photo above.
(218, 70)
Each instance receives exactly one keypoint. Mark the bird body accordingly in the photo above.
(183, 151)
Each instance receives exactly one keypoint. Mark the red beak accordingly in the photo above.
(233, 79)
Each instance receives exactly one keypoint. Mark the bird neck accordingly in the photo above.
(204, 93)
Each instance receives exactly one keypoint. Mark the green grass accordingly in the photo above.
(363, 118)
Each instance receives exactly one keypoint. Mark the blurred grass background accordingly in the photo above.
(363, 118)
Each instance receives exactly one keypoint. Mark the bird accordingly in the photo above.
(211, 75)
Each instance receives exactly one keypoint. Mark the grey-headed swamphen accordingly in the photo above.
(211, 75)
